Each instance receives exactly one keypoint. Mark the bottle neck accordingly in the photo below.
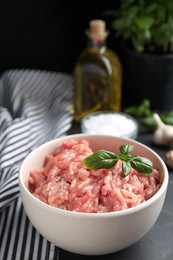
(96, 39)
(96, 44)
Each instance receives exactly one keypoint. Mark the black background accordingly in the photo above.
(49, 35)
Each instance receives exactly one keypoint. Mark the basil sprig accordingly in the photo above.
(106, 159)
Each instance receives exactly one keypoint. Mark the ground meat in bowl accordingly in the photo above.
(64, 182)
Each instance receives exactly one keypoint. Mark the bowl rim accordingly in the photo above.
(143, 205)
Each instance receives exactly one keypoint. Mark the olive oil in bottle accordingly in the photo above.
(97, 75)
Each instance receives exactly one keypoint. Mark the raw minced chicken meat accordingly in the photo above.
(64, 182)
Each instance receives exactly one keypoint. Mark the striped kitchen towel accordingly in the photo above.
(34, 108)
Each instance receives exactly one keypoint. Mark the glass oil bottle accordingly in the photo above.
(97, 75)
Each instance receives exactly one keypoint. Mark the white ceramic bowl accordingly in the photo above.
(111, 123)
(92, 233)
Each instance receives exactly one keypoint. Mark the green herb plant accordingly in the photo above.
(106, 159)
(144, 114)
(146, 25)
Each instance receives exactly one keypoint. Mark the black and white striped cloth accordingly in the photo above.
(34, 108)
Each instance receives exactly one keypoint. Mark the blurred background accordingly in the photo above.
(49, 35)
(44, 34)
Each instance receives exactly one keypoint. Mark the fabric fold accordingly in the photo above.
(34, 108)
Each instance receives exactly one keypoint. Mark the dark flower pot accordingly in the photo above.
(147, 76)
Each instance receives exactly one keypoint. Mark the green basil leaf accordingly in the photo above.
(141, 164)
(106, 159)
(126, 149)
(144, 22)
(100, 159)
(126, 167)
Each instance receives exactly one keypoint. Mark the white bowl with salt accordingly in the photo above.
(118, 124)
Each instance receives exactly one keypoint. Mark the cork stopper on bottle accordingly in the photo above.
(97, 30)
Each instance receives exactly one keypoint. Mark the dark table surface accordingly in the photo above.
(157, 244)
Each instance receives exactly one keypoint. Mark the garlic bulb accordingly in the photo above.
(163, 135)
(169, 158)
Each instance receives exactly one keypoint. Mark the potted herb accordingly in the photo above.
(145, 32)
